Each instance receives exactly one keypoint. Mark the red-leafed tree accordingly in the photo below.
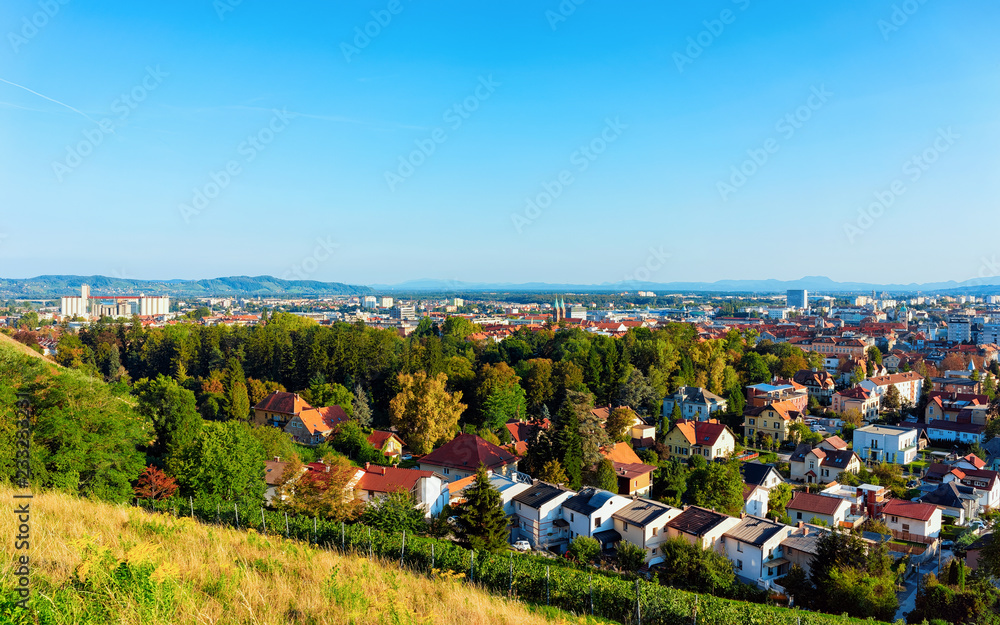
(155, 484)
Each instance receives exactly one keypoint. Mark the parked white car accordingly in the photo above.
(522, 545)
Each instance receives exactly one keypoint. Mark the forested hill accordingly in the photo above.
(233, 286)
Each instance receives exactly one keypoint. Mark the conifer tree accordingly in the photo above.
(481, 516)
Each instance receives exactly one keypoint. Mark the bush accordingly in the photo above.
(630, 557)
(585, 548)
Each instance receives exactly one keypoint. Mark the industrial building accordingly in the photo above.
(87, 306)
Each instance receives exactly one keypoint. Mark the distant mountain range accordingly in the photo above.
(814, 284)
(234, 286)
(49, 287)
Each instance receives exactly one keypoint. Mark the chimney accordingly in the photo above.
(277, 458)
(367, 464)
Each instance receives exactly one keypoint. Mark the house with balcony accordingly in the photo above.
(753, 545)
(643, 523)
(539, 516)
(771, 420)
(278, 408)
(910, 385)
(886, 443)
(913, 521)
(694, 402)
(701, 526)
(813, 508)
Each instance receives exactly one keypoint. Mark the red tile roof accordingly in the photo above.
(283, 403)
(379, 438)
(390, 479)
(521, 431)
(817, 504)
(621, 452)
(909, 509)
(322, 420)
(468, 451)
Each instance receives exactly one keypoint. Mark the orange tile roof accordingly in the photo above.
(621, 452)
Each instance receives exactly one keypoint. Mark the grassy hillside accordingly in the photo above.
(99, 563)
(8, 343)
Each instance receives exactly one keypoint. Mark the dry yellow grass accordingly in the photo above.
(216, 575)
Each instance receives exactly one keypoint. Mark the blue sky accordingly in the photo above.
(646, 112)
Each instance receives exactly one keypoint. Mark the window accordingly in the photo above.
(752, 422)
(654, 531)
(770, 571)
(906, 527)
(519, 505)
(739, 546)
(447, 470)
(895, 519)
(654, 551)
(798, 516)
(571, 516)
(597, 522)
(739, 565)
(812, 465)
(625, 526)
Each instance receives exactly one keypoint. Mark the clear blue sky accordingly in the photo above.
(541, 89)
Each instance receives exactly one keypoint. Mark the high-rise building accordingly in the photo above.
(797, 298)
(385, 302)
(369, 301)
(403, 312)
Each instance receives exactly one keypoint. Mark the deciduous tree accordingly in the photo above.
(424, 411)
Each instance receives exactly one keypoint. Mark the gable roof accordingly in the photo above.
(816, 504)
(322, 420)
(390, 479)
(705, 433)
(835, 441)
(974, 460)
(642, 512)
(468, 451)
(283, 403)
(621, 452)
(521, 431)
(909, 509)
(951, 495)
(756, 473)
(540, 494)
(378, 438)
(754, 530)
(836, 459)
(697, 521)
(785, 409)
(273, 470)
(632, 470)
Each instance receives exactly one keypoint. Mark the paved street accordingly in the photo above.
(907, 598)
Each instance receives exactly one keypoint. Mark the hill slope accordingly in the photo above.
(47, 287)
(98, 563)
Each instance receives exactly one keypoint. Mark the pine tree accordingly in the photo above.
(481, 516)
(236, 391)
(567, 446)
(553, 473)
(362, 411)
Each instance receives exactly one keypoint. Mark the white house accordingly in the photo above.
(909, 519)
(910, 385)
(539, 515)
(694, 402)
(986, 483)
(701, 526)
(753, 545)
(886, 443)
(643, 523)
(589, 513)
(427, 488)
(755, 499)
(813, 508)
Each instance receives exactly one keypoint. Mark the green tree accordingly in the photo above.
(690, 567)
(754, 368)
(224, 465)
(553, 473)
(567, 445)
(172, 411)
(719, 486)
(236, 391)
(630, 557)
(619, 424)
(481, 518)
(362, 410)
(394, 513)
(585, 549)
(891, 400)
(638, 393)
(607, 479)
(424, 411)
(499, 395)
(777, 500)
(351, 441)
(276, 442)
(536, 376)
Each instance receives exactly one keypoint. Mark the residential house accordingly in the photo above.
(773, 420)
(955, 500)
(959, 386)
(986, 483)
(643, 436)
(695, 403)
(858, 398)
(709, 439)
(461, 456)
(975, 549)
(970, 461)
(910, 385)
(763, 475)
(278, 408)
(755, 499)
(801, 546)
(913, 521)
(701, 526)
(820, 464)
(507, 488)
(634, 477)
(948, 407)
(760, 395)
(942, 431)
(522, 431)
(886, 443)
(426, 487)
(274, 471)
(388, 443)
(642, 522)
(813, 508)
(753, 545)
(819, 384)
(314, 425)
(539, 516)
(589, 513)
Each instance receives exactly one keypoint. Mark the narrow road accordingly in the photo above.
(907, 598)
